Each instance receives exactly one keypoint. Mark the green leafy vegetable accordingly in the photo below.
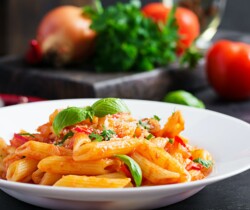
(128, 41)
(95, 137)
(109, 106)
(134, 168)
(144, 125)
(105, 135)
(100, 108)
(68, 135)
(157, 118)
(183, 97)
(205, 163)
(150, 136)
(191, 57)
(26, 134)
(71, 116)
(170, 140)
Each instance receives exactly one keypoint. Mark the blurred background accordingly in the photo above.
(19, 19)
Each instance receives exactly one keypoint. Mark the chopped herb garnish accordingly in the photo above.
(157, 118)
(144, 124)
(68, 135)
(105, 135)
(26, 134)
(150, 136)
(171, 141)
(95, 137)
(205, 163)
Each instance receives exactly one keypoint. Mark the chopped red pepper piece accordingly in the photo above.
(125, 170)
(180, 141)
(83, 130)
(193, 166)
(34, 54)
(18, 140)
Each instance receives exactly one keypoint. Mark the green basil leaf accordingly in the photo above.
(183, 97)
(71, 116)
(107, 106)
(134, 168)
(205, 163)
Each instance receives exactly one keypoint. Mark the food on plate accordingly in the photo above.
(228, 69)
(64, 35)
(187, 21)
(183, 97)
(87, 147)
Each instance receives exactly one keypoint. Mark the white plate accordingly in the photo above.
(226, 138)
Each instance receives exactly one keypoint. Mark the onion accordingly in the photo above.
(64, 36)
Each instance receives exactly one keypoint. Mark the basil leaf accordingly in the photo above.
(107, 106)
(205, 163)
(184, 98)
(134, 168)
(71, 116)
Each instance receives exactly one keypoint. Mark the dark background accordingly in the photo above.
(19, 19)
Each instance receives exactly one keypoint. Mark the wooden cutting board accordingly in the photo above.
(46, 82)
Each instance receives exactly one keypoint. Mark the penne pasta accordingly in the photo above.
(40, 150)
(163, 159)
(92, 182)
(21, 170)
(154, 173)
(105, 149)
(66, 165)
(44, 178)
(75, 148)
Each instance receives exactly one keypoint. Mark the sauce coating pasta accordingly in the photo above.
(113, 151)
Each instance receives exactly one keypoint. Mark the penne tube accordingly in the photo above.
(65, 165)
(163, 159)
(37, 176)
(92, 182)
(160, 141)
(79, 139)
(105, 149)
(50, 179)
(154, 173)
(43, 178)
(39, 150)
(21, 170)
(173, 126)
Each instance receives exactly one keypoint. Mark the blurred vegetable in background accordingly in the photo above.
(183, 97)
(228, 69)
(121, 37)
(187, 21)
(64, 36)
(127, 40)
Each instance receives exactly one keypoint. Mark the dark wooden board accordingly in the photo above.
(19, 78)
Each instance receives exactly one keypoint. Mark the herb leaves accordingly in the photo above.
(74, 115)
(128, 41)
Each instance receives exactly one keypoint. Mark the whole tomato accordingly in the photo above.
(187, 21)
(228, 69)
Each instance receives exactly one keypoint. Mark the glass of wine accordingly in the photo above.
(209, 12)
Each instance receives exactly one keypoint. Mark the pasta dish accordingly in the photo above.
(104, 146)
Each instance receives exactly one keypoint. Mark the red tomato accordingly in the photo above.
(228, 69)
(187, 21)
(64, 35)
